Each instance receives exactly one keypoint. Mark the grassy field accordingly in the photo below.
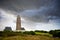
(45, 34)
(29, 37)
(26, 36)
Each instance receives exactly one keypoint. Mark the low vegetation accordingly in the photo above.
(30, 35)
(55, 33)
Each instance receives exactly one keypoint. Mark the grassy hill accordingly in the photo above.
(27, 35)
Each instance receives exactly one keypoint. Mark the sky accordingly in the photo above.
(35, 14)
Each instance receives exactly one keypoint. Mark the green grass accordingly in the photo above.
(45, 34)
(29, 37)
(23, 36)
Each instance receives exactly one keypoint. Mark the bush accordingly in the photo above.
(32, 33)
(26, 32)
(9, 33)
(29, 32)
(55, 33)
(41, 31)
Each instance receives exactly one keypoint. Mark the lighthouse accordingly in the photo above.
(18, 23)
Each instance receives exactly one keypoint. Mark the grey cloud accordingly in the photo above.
(18, 5)
(33, 10)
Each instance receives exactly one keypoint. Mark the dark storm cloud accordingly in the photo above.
(56, 10)
(33, 10)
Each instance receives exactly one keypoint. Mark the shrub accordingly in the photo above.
(29, 32)
(32, 33)
(55, 33)
(26, 32)
(41, 31)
